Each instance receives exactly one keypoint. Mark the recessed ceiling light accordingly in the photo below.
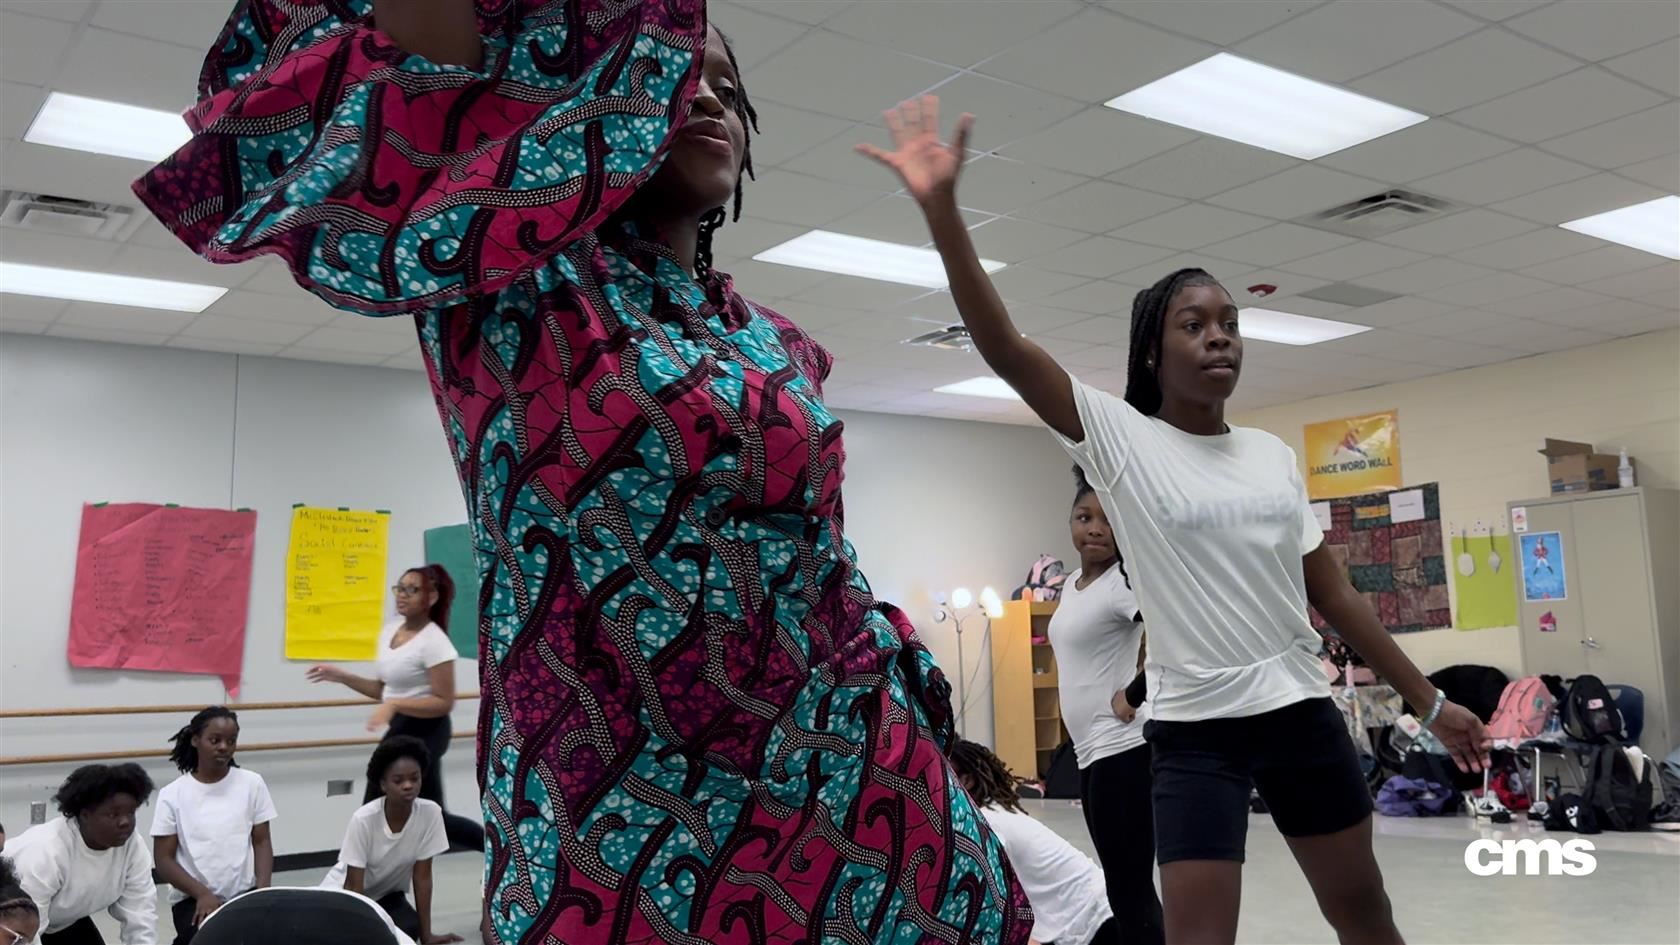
(92, 124)
(50, 282)
(987, 386)
(1231, 97)
(1261, 324)
(1653, 226)
(869, 259)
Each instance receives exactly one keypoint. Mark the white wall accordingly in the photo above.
(930, 504)
(1476, 432)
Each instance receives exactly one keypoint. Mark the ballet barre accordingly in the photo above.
(194, 707)
(146, 753)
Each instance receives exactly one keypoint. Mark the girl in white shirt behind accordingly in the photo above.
(90, 859)
(1066, 889)
(414, 683)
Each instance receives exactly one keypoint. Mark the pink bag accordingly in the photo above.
(1524, 708)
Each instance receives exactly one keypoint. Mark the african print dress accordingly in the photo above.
(697, 724)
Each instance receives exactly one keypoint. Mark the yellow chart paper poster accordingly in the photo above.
(335, 583)
(1353, 455)
(1487, 596)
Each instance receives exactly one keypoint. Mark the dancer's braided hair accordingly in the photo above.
(991, 782)
(1149, 311)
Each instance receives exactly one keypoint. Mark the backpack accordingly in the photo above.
(1619, 798)
(1061, 779)
(1523, 711)
(1570, 812)
(1044, 580)
(1407, 797)
(1590, 713)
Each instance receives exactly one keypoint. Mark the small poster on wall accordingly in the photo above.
(1353, 455)
(1542, 567)
(335, 583)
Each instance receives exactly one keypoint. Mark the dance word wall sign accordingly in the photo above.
(335, 583)
(162, 588)
(1353, 455)
(1389, 546)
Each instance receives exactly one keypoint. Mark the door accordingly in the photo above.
(1559, 650)
(1615, 582)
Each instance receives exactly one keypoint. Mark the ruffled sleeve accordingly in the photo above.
(389, 183)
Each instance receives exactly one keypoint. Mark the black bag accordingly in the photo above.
(1590, 713)
(1423, 765)
(1477, 688)
(1619, 800)
(1570, 812)
(1061, 779)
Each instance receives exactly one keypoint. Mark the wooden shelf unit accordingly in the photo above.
(1026, 705)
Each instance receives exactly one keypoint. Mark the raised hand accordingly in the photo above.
(928, 166)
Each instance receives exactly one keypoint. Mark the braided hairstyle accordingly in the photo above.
(1149, 313)
(436, 578)
(710, 223)
(184, 755)
(990, 782)
(1081, 488)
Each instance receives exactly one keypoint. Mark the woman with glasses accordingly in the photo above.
(414, 683)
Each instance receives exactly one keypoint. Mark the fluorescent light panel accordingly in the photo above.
(1261, 324)
(50, 282)
(987, 386)
(1231, 97)
(92, 124)
(826, 251)
(1653, 226)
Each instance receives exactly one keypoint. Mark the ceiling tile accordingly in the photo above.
(178, 264)
(1484, 65)
(959, 32)
(18, 105)
(1459, 231)
(1098, 141)
(751, 235)
(786, 197)
(1012, 240)
(1428, 274)
(31, 48)
(811, 12)
(1497, 9)
(1401, 311)
(852, 293)
(1030, 318)
(70, 11)
(1578, 198)
(50, 249)
(1652, 66)
(1599, 29)
(1642, 136)
(65, 173)
(1004, 111)
(125, 69)
(999, 185)
(837, 160)
(1239, 281)
(1534, 338)
(1190, 226)
(29, 309)
(753, 35)
(896, 219)
(1297, 191)
(1276, 244)
(1662, 173)
(1564, 104)
(1339, 41)
(1144, 276)
(1099, 257)
(1096, 56)
(804, 74)
(787, 131)
(124, 318)
(192, 24)
(1415, 152)
(1452, 353)
(1099, 297)
(296, 306)
(332, 355)
(1220, 22)
(1353, 261)
(758, 280)
(1104, 329)
(1589, 267)
(384, 342)
(1098, 206)
(113, 335)
(1664, 278)
(1462, 321)
(1032, 284)
(1529, 249)
(1479, 292)
(1562, 298)
(210, 327)
(1499, 178)
(1202, 168)
(1100, 358)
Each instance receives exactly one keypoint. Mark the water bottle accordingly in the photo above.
(1624, 472)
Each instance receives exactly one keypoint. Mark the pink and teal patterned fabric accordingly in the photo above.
(698, 726)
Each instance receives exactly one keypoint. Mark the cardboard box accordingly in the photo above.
(1574, 467)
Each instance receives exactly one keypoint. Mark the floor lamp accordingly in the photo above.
(958, 608)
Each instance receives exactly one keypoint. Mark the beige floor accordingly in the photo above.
(1632, 897)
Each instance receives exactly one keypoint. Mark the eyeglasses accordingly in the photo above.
(404, 590)
(17, 939)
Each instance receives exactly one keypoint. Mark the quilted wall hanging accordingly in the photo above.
(1400, 567)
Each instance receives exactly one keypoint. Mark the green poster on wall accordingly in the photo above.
(451, 546)
(1487, 596)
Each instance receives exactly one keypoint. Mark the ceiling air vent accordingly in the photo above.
(1379, 213)
(952, 338)
(67, 216)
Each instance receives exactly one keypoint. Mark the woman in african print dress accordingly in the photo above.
(698, 726)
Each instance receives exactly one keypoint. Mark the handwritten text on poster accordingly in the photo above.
(335, 583)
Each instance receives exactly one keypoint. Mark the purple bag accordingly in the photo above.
(1405, 797)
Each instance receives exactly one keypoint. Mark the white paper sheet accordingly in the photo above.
(1405, 506)
(1321, 511)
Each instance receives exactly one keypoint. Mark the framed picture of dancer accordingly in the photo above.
(1542, 567)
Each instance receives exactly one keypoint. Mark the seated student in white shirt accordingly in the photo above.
(20, 918)
(1066, 888)
(282, 915)
(91, 859)
(211, 832)
(390, 842)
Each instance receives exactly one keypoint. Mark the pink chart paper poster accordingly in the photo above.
(162, 588)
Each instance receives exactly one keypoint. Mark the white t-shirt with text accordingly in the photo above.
(213, 823)
(406, 670)
(1065, 887)
(1213, 529)
(1096, 636)
(388, 858)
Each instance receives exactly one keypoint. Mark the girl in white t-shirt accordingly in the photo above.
(414, 684)
(1097, 634)
(1065, 888)
(390, 842)
(1215, 524)
(211, 831)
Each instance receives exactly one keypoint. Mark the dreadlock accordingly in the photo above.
(990, 780)
(1149, 310)
(710, 223)
(184, 755)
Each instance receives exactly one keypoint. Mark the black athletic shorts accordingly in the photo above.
(1299, 757)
